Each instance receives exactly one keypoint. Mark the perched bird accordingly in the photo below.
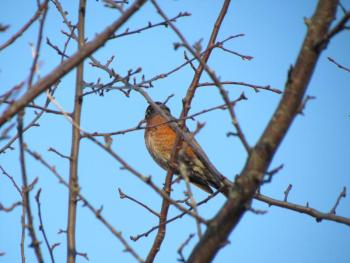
(160, 139)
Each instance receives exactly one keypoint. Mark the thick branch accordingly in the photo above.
(261, 155)
(73, 169)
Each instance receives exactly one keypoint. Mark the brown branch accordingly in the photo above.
(218, 177)
(3, 28)
(96, 212)
(319, 216)
(8, 145)
(145, 179)
(166, 204)
(150, 25)
(256, 88)
(15, 90)
(210, 72)
(4, 134)
(158, 240)
(41, 226)
(182, 246)
(255, 211)
(183, 171)
(343, 9)
(23, 231)
(114, 5)
(341, 195)
(35, 66)
(35, 106)
(243, 57)
(144, 83)
(145, 234)
(33, 123)
(25, 27)
(304, 103)
(25, 192)
(12, 180)
(271, 173)
(11, 207)
(247, 183)
(140, 127)
(338, 65)
(286, 192)
(84, 255)
(122, 195)
(74, 156)
(198, 73)
(59, 52)
(341, 25)
(188, 138)
(69, 64)
(97, 134)
(69, 38)
(126, 166)
(58, 153)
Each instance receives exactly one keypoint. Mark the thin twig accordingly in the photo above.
(150, 25)
(140, 126)
(69, 64)
(341, 25)
(145, 234)
(36, 54)
(256, 88)
(210, 72)
(271, 173)
(319, 216)
(341, 195)
(125, 165)
(96, 212)
(8, 145)
(182, 246)
(12, 180)
(286, 192)
(122, 195)
(58, 153)
(11, 207)
(41, 226)
(338, 65)
(25, 192)
(243, 57)
(23, 231)
(25, 27)
(304, 103)
(35, 106)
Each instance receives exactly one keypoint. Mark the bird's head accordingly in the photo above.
(150, 111)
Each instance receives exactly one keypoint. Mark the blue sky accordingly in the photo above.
(315, 152)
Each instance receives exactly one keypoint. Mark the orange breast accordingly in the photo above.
(160, 140)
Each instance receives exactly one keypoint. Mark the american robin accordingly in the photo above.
(160, 138)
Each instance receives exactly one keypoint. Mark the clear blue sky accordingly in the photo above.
(315, 152)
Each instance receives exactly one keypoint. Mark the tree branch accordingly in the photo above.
(74, 156)
(261, 155)
(25, 194)
(25, 27)
(69, 64)
(319, 216)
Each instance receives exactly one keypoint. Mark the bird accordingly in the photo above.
(160, 138)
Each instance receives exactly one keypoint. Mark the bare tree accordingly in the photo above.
(37, 100)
